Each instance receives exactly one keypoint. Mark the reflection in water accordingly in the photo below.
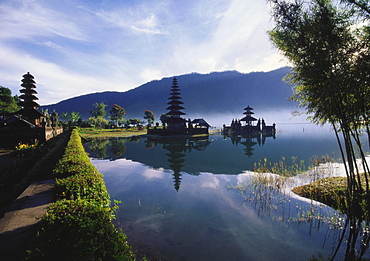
(250, 140)
(267, 193)
(205, 220)
(200, 153)
(99, 147)
(178, 148)
(118, 146)
(112, 148)
(177, 151)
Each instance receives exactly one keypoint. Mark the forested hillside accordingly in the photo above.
(202, 94)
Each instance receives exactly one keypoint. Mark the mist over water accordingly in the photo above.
(270, 117)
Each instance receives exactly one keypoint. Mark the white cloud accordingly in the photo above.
(149, 74)
(237, 39)
(31, 19)
(52, 45)
(52, 81)
(150, 174)
(77, 47)
(210, 182)
(141, 18)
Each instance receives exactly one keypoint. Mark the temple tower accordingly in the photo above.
(248, 116)
(28, 98)
(174, 120)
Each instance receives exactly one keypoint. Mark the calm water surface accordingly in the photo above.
(177, 203)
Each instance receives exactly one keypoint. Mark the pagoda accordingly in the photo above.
(28, 98)
(174, 120)
(249, 127)
(173, 123)
(249, 119)
(28, 125)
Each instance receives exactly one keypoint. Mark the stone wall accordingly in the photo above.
(11, 137)
(51, 132)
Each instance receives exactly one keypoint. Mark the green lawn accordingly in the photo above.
(332, 192)
(107, 133)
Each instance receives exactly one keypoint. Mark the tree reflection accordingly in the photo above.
(112, 148)
(99, 147)
(118, 146)
(354, 237)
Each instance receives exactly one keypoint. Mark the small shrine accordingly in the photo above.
(28, 125)
(249, 125)
(173, 123)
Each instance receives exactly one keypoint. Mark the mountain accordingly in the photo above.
(203, 94)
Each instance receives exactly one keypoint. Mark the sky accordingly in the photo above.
(76, 47)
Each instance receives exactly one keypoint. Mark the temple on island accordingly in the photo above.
(173, 123)
(28, 125)
(249, 125)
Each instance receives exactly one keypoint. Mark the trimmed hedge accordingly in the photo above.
(78, 226)
(77, 178)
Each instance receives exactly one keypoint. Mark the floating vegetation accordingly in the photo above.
(271, 196)
(330, 191)
(268, 190)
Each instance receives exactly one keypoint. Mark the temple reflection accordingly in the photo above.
(177, 150)
(190, 155)
(250, 140)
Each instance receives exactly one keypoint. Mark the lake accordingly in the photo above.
(199, 199)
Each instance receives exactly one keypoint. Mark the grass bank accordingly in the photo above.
(87, 133)
(78, 226)
(332, 192)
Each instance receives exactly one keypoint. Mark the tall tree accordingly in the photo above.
(117, 113)
(7, 103)
(99, 110)
(163, 118)
(65, 116)
(149, 116)
(74, 117)
(133, 122)
(98, 122)
(330, 73)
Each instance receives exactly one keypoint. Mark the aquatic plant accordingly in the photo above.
(282, 167)
(269, 194)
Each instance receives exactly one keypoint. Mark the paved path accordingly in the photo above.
(20, 223)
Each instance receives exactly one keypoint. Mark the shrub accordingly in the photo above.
(80, 230)
(78, 226)
(83, 186)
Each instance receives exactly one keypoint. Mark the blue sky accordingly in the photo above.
(75, 47)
